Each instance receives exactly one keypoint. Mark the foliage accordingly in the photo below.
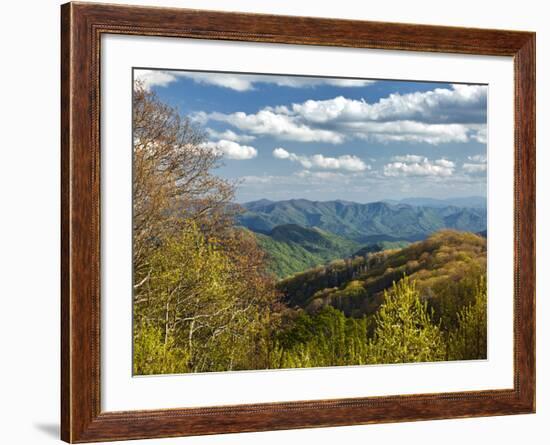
(445, 268)
(292, 248)
(155, 355)
(172, 179)
(201, 294)
(405, 329)
(469, 340)
(328, 338)
(380, 246)
(402, 331)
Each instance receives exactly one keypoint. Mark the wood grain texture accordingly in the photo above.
(82, 26)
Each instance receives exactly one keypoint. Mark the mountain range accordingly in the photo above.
(364, 223)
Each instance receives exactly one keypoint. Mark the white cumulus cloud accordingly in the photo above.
(444, 163)
(232, 149)
(408, 158)
(477, 165)
(410, 131)
(474, 168)
(478, 132)
(420, 166)
(243, 82)
(455, 114)
(338, 119)
(150, 78)
(231, 81)
(345, 162)
(281, 153)
(229, 135)
(478, 158)
(461, 103)
(266, 122)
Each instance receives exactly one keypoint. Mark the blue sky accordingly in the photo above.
(285, 137)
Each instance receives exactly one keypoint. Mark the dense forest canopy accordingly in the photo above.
(211, 295)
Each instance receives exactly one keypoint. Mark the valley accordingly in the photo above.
(347, 272)
(299, 234)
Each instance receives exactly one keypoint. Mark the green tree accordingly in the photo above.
(202, 303)
(404, 329)
(173, 180)
(156, 354)
(201, 293)
(469, 340)
(328, 338)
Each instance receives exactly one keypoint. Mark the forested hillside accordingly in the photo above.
(379, 246)
(292, 248)
(355, 285)
(440, 291)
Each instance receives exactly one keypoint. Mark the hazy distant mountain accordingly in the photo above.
(259, 204)
(476, 202)
(364, 223)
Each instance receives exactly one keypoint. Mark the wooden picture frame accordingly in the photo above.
(82, 26)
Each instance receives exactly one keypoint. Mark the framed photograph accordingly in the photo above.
(275, 222)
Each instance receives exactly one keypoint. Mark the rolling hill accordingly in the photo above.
(362, 223)
(355, 285)
(292, 248)
(379, 246)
